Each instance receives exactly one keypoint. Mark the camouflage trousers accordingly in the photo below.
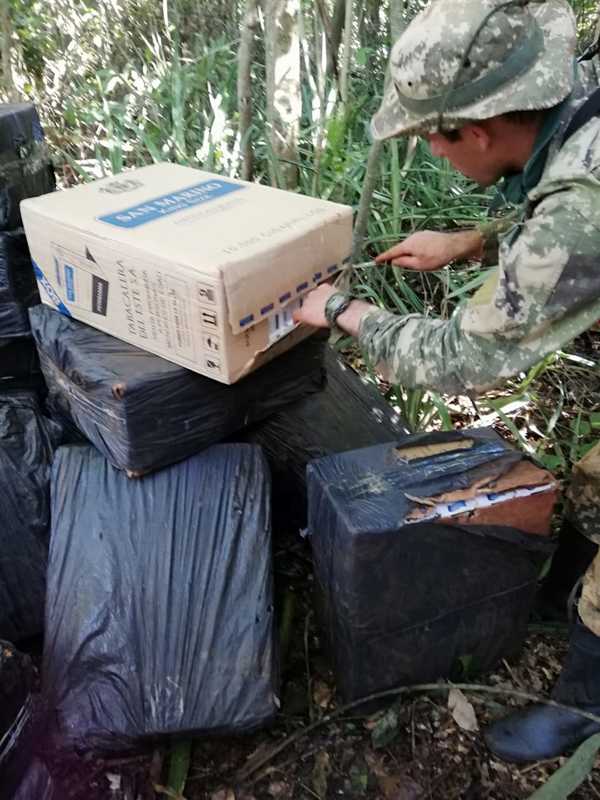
(583, 508)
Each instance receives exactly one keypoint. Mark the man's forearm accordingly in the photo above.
(468, 244)
(349, 321)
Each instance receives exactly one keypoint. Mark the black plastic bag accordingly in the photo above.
(16, 682)
(143, 412)
(27, 443)
(18, 288)
(25, 166)
(349, 414)
(19, 365)
(159, 616)
(33, 765)
(403, 603)
(19, 770)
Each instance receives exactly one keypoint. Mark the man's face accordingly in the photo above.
(466, 154)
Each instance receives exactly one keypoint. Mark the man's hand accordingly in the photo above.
(430, 250)
(312, 311)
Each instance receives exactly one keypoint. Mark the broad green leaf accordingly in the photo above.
(179, 766)
(572, 774)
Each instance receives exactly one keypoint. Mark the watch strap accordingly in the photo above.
(337, 303)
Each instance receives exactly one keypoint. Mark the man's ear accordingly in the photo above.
(478, 136)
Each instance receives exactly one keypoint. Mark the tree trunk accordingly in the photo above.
(335, 37)
(347, 56)
(244, 87)
(398, 23)
(284, 99)
(7, 73)
(364, 206)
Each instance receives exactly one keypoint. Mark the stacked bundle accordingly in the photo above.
(25, 171)
(426, 553)
(159, 601)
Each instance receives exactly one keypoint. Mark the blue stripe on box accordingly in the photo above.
(317, 276)
(50, 290)
(70, 281)
(302, 287)
(266, 309)
(246, 320)
(167, 204)
(332, 268)
(285, 297)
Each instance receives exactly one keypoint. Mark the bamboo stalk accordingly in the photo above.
(7, 73)
(347, 55)
(244, 87)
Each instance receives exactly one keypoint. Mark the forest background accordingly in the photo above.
(282, 91)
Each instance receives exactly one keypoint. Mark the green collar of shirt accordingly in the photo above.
(513, 190)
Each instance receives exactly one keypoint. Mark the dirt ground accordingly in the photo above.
(409, 749)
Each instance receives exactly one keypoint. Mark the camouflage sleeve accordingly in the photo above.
(544, 292)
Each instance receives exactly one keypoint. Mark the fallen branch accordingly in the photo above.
(252, 767)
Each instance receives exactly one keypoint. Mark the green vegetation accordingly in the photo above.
(121, 83)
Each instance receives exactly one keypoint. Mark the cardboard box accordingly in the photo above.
(202, 270)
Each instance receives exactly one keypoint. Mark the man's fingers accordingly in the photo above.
(393, 252)
(409, 262)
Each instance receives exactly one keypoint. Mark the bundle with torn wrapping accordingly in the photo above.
(143, 412)
(27, 443)
(25, 165)
(18, 288)
(418, 558)
(159, 616)
(349, 414)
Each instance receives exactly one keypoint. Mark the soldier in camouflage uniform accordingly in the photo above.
(493, 87)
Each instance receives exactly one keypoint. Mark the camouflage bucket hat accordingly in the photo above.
(464, 60)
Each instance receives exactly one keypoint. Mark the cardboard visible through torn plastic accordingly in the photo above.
(428, 450)
(522, 498)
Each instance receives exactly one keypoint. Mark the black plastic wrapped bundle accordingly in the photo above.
(159, 617)
(25, 166)
(16, 682)
(27, 443)
(17, 678)
(349, 414)
(143, 412)
(402, 603)
(18, 288)
(19, 365)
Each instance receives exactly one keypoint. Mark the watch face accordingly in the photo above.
(335, 306)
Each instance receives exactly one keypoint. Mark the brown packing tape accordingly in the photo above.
(426, 451)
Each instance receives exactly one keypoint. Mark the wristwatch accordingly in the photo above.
(337, 303)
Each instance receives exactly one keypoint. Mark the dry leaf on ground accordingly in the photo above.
(462, 711)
